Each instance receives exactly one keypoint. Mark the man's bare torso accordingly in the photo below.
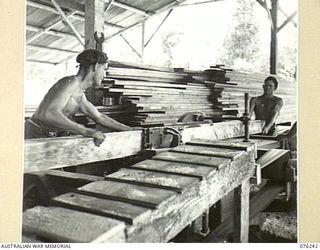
(265, 106)
(69, 105)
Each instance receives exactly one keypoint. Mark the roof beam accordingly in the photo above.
(76, 16)
(55, 50)
(108, 6)
(49, 32)
(65, 18)
(285, 14)
(49, 27)
(71, 5)
(128, 43)
(153, 34)
(130, 8)
(42, 62)
(289, 19)
(192, 4)
(157, 12)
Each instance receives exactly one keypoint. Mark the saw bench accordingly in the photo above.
(152, 200)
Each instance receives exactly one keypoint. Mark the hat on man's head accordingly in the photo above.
(273, 79)
(92, 56)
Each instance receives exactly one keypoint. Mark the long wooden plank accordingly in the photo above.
(210, 161)
(172, 167)
(131, 193)
(220, 130)
(220, 144)
(207, 151)
(65, 225)
(122, 211)
(49, 153)
(151, 177)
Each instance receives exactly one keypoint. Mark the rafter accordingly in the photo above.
(49, 49)
(76, 16)
(153, 34)
(198, 3)
(49, 32)
(128, 43)
(108, 6)
(42, 62)
(130, 8)
(71, 5)
(49, 27)
(157, 12)
(65, 18)
(289, 18)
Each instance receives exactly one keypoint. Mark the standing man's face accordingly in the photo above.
(100, 73)
(269, 87)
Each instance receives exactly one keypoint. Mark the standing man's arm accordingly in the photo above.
(273, 117)
(90, 110)
(252, 106)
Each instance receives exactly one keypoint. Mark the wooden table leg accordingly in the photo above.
(241, 212)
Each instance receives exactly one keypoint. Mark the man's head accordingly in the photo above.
(95, 61)
(270, 85)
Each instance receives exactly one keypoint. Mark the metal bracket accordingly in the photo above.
(163, 137)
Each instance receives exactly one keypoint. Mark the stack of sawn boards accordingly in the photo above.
(156, 96)
(160, 96)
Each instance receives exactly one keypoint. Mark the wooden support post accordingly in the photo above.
(273, 43)
(241, 212)
(94, 22)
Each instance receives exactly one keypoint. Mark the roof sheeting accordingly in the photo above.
(59, 42)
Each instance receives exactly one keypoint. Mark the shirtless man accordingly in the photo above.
(267, 106)
(54, 114)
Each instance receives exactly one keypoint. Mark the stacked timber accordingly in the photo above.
(160, 96)
(252, 83)
(145, 95)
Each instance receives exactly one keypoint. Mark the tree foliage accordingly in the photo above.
(241, 44)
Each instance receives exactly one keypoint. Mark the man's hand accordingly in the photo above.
(98, 138)
(265, 130)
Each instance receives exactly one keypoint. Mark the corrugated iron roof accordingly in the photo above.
(59, 43)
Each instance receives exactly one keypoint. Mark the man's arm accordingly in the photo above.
(273, 117)
(252, 106)
(90, 110)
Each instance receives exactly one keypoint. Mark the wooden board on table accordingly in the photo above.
(207, 151)
(175, 167)
(64, 225)
(135, 194)
(154, 179)
(122, 211)
(50, 153)
(220, 130)
(221, 144)
(210, 161)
